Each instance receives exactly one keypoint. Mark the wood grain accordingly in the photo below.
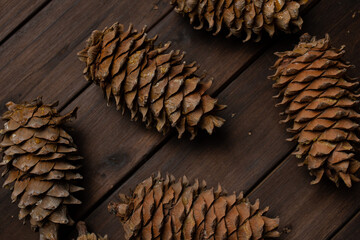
(40, 60)
(308, 212)
(249, 153)
(110, 143)
(13, 13)
(239, 160)
(351, 231)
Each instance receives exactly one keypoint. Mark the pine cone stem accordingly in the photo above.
(49, 231)
(85, 235)
(153, 84)
(81, 228)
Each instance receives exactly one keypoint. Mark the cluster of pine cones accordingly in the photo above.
(155, 85)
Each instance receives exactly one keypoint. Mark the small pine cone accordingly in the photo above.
(150, 82)
(243, 16)
(40, 163)
(165, 209)
(85, 235)
(322, 108)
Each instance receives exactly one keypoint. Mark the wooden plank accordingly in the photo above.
(309, 212)
(41, 60)
(197, 44)
(350, 231)
(43, 54)
(238, 160)
(110, 143)
(13, 13)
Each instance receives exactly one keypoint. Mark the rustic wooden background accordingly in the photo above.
(39, 40)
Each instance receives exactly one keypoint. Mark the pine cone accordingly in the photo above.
(243, 16)
(85, 235)
(40, 159)
(164, 209)
(322, 107)
(149, 81)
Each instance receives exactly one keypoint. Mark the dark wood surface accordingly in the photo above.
(13, 14)
(250, 154)
(351, 231)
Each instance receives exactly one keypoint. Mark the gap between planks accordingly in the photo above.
(163, 142)
(342, 226)
(23, 22)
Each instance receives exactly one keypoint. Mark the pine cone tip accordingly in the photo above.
(85, 235)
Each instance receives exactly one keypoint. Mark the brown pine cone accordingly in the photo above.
(242, 16)
(167, 209)
(85, 235)
(154, 84)
(322, 108)
(40, 160)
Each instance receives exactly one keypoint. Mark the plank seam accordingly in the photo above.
(269, 172)
(247, 64)
(333, 235)
(37, 37)
(128, 175)
(22, 23)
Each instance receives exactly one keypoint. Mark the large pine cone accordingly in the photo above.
(243, 16)
(85, 235)
(153, 84)
(164, 209)
(322, 107)
(40, 163)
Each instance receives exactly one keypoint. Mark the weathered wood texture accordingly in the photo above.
(351, 231)
(40, 60)
(249, 153)
(14, 13)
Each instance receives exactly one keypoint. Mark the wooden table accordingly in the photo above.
(39, 40)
